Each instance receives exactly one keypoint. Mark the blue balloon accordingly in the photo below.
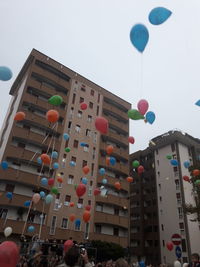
(150, 117)
(159, 15)
(102, 171)
(39, 161)
(174, 162)
(55, 165)
(186, 164)
(44, 181)
(112, 161)
(4, 165)
(83, 144)
(66, 136)
(42, 194)
(48, 198)
(198, 103)
(104, 181)
(54, 155)
(9, 195)
(72, 163)
(139, 36)
(27, 203)
(77, 222)
(5, 73)
(31, 229)
(84, 180)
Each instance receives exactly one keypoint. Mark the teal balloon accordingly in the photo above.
(54, 155)
(27, 203)
(104, 181)
(186, 164)
(102, 171)
(55, 165)
(139, 36)
(39, 161)
(9, 195)
(150, 117)
(66, 136)
(134, 114)
(84, 180)
(44, 181)
(48, 199)
(159, 15)
(4, 165)
(5, 73)
(198, 103)
(42, 194)
(72, 163)
(112, 161)
(174, 162)
(31, 229)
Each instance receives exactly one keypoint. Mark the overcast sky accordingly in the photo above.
(92, 38)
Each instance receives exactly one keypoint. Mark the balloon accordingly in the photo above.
(140, 169)
(112, 161)
(88, 207)
(55, 100)
(102, 171)
(169, 156)
(55, 165)
(48, 198)
(42, 194)
(78, 222)
(134, 114)
(5, 73)
(186, 164)
(174, 162)
(71, 204)
(198, 103)
(117, 185)
(7, 231)
(66, 136)
(169, 246)
(31, 229)
(67, 149)
(54, 155)
(197, 182)
(135, 163)
(131, 139)
(142, 106)
(67, 245)
(72, 163)
(44, 181)
(84, 180)
(80, 190)
(97, 191)
(60, 180)
(83, 106)
(39, 161)
(52, 115)
(129, 179)
(101, 125)
(186, 178)
(104, 181)
(109, 149)
(4, 165)
(19, 116)
(196, 172)
(86, 216)
(27, 203)
(36, 198)
(9, 195)
(108, 161)
(83, 144)
(9, 254)
(86, 169)
(177, 264)
(72, 217)
(150, 117)
(45, 158)
(159, 15)
(139, 36)
(51, 182)
(54, 190)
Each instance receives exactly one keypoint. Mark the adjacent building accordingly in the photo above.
(23, 142)
(157, 199)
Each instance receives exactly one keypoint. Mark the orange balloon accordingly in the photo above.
(71, 204)
(52, 115)
(109, 149)
(107, 161)
(60, 180)
(196, 172)
(86, 169)
(45, 159)
(86, 216)
(118, 185)
(129, 179)
(19, 116)
(72, 217)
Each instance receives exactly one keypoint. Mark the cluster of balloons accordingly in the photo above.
(136, 165)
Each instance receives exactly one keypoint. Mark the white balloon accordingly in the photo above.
(177, 264)
(7, 231)
(185, 264)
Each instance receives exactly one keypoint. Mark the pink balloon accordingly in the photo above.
(9, 254)
(101, 125)
(68, 244)
(131, 139)
(142, 106)
(36, 198)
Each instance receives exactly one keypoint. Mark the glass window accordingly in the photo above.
(70, 179)
(81, 100)
(89, 119)
(64, 223)
(78, 128)
(97, 110)
(75, 143)
(84, 163)
(91, 105)
(83, 88)
(79, 114)
(92, 92)
(74, 98)
(88, 132)
(53, 225)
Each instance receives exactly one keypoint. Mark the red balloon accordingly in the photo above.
(88, 207)
(97, 191)
(19, 116)
(131, 140)
(101, 125)
(72, 217)
(140, 169)
(108, 161)
(52, 115)
(9, 254)
(86, 169)
(86, 216)
(68, 244)
(170, 246)
(71, 204)
(83, 106)
(60, 179)
(109, 149)
(51, 182)
(186, 178)
(45, 159)
(129, 179)
(118, 185)
(196, 172)
(80, 190)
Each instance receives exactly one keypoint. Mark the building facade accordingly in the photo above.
(23, 142)
(161, 194)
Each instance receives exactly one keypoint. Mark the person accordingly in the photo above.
(54, 247)
(194, 260)
(121, 263)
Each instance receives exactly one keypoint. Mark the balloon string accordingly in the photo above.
(41, 223)
(26, 218)
(141, 76)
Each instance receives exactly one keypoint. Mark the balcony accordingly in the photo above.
(118, 151)
(118, 167)
(123, 139)
(117, 123)
(112, 181)
(115, 110)
(123, 241)
(114, 200)
(105, 218)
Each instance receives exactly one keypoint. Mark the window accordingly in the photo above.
(173, 147)
(88, 132)
(69, 124)
(78, 128)
(75, 143)
(10, 188)
(64, 223)
(79, 114)
(86, 148)
(116, 211)
(159, 185)
(70, 179)
(80, 203)
(59, 185)
(91, 183)
(95, 137)
(3, 213)
(183, 243)
(98, 97)
(97, 110)
(73, 98)
(81, 100)
(71, 112)
(21, 145)
(156, 151)
(83, 87)
(93, 153)
(92, 92)
(91, 105)
(77, 226)
(53, 225)
(163, 242)
(73, 159)
(89, 119)
(116, 231)
(162, 227)
(180, 213)
(58, 196)
(87, 227)
(84, 163)
(160, 199)
(177, 184)
(67, 200)
(178, 197)
(181, 226)
(89, 202)
(158, 162)
(92, 169)
(158, 174)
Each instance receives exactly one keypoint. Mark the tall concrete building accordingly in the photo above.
(157, 199)
(23, 142)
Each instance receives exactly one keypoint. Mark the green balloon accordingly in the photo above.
(169, 156)
(135, 163)
(75, 186)
(67, 149)
(134, 114)
(54, 190)
(55, 100)
(197, 182)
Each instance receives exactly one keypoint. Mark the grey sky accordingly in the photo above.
(92, 38)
